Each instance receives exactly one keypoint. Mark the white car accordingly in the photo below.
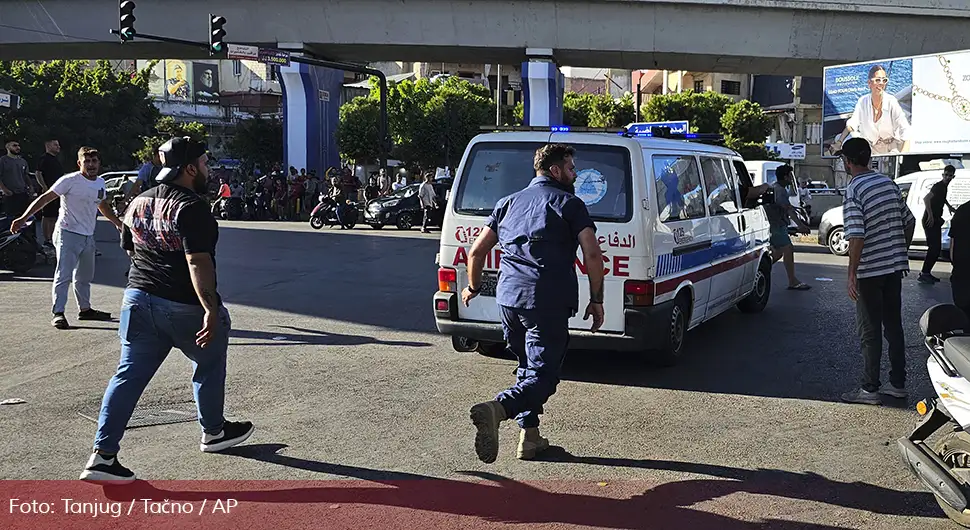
(678, 245)
(914, 187)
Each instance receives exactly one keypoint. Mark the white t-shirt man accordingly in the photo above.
(80, 198)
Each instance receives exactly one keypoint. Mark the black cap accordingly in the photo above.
(176, 154)
(857, 150)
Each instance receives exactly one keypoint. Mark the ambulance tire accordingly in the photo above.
(671, 352)
(463, 344)
(758, 299)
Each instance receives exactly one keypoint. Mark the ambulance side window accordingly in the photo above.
(721, 197)
(679, 193)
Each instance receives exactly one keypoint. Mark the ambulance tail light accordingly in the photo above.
(447, 280)
(638, 293)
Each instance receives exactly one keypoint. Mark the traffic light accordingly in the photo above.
(216, 34)
(126, 20)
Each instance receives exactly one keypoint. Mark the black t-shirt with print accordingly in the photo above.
(161, 226)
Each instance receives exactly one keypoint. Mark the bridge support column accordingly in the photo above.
(311, 105)
(542, 86)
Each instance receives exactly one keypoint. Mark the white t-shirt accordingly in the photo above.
(80, 198)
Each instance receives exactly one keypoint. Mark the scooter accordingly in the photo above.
(944, 468)
(325, 213)
(18, 253)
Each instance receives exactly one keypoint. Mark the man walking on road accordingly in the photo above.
(779, 214)
(171, 301)
(934, 202)
(537, 292)
(879, 227)
(82, 195)
(48, 171)
(429, 200)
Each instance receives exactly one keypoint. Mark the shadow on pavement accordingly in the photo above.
(287, 337)
(500, 500)
(804, 345)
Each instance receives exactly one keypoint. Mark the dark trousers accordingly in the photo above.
(539, 339)
(878, 312)
(934, 244)
(960, 287)
(15, 205)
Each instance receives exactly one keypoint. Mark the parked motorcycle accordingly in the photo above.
(944, 468)
(325, 213)
(18, 252)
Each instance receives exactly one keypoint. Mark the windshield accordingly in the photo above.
(405, 192)
(495, 170)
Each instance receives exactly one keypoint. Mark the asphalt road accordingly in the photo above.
(336, 359)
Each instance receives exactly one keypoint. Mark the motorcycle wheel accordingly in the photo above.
(316, 222)
(954, 450)
(22, 257)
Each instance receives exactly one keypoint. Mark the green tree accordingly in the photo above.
(703, 110)
(258, 142)
(576, 109)
(358, 131)
(165, 129)
(453, 117)
(745, 122)
(78, 104)
(605, 111)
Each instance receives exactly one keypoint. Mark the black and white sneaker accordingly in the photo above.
(233, 433)
(106, 470)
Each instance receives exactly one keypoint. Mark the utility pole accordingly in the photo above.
(498, 96)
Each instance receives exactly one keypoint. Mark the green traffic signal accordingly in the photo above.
(216, 34)
(126, 19)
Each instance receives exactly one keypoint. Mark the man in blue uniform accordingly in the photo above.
(538, 230)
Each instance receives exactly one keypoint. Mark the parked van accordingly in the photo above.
(914, 188)
(678, 246)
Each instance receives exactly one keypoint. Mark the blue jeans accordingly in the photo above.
(539, 339)
(75, 261)
(150, 327)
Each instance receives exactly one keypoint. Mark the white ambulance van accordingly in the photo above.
(678, 246)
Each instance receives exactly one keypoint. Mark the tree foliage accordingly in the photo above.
(702, 109)
(165, 129)
(745, 123)
(78, 104)
(258, 142)
(357, 132)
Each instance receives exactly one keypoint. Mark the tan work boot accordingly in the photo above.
(530, 444)
(487, 417)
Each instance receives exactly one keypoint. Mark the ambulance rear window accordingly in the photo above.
(495, 170)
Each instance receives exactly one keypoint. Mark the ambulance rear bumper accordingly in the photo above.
(644, 327)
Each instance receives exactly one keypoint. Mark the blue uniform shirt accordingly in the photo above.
(538, 232)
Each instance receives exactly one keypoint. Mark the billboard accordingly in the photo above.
(206, 76)
(178, 80)
(909, 105)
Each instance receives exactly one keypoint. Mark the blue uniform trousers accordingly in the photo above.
(539, 339)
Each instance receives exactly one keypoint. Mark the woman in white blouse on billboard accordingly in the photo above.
(878, 118)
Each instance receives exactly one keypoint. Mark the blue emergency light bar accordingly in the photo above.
(655, 132)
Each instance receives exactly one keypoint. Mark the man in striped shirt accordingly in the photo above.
(879, 227)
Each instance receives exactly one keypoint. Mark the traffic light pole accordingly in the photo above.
(385, 141)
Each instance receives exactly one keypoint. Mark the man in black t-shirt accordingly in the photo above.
(960, 257)
(934, 202)
(48, 171)
(171, 239)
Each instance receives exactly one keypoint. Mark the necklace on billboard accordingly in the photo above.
(960, 104)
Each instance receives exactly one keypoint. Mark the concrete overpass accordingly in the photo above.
(747, 36)
(793, 37)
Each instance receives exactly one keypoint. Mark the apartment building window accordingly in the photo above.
(731, 88)
(698, 86)
(236, 67)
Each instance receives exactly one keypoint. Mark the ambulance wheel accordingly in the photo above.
(464, 344)
(495, 350)
(673, 348)
(758, 299)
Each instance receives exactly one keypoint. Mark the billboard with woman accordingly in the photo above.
(910, 105)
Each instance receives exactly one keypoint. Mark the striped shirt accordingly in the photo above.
(875, 212)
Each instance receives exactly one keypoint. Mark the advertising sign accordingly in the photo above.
(787, 151)
(273, 56)
(206, 83)
(243, 53)
(916, 105)
(676, 127)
